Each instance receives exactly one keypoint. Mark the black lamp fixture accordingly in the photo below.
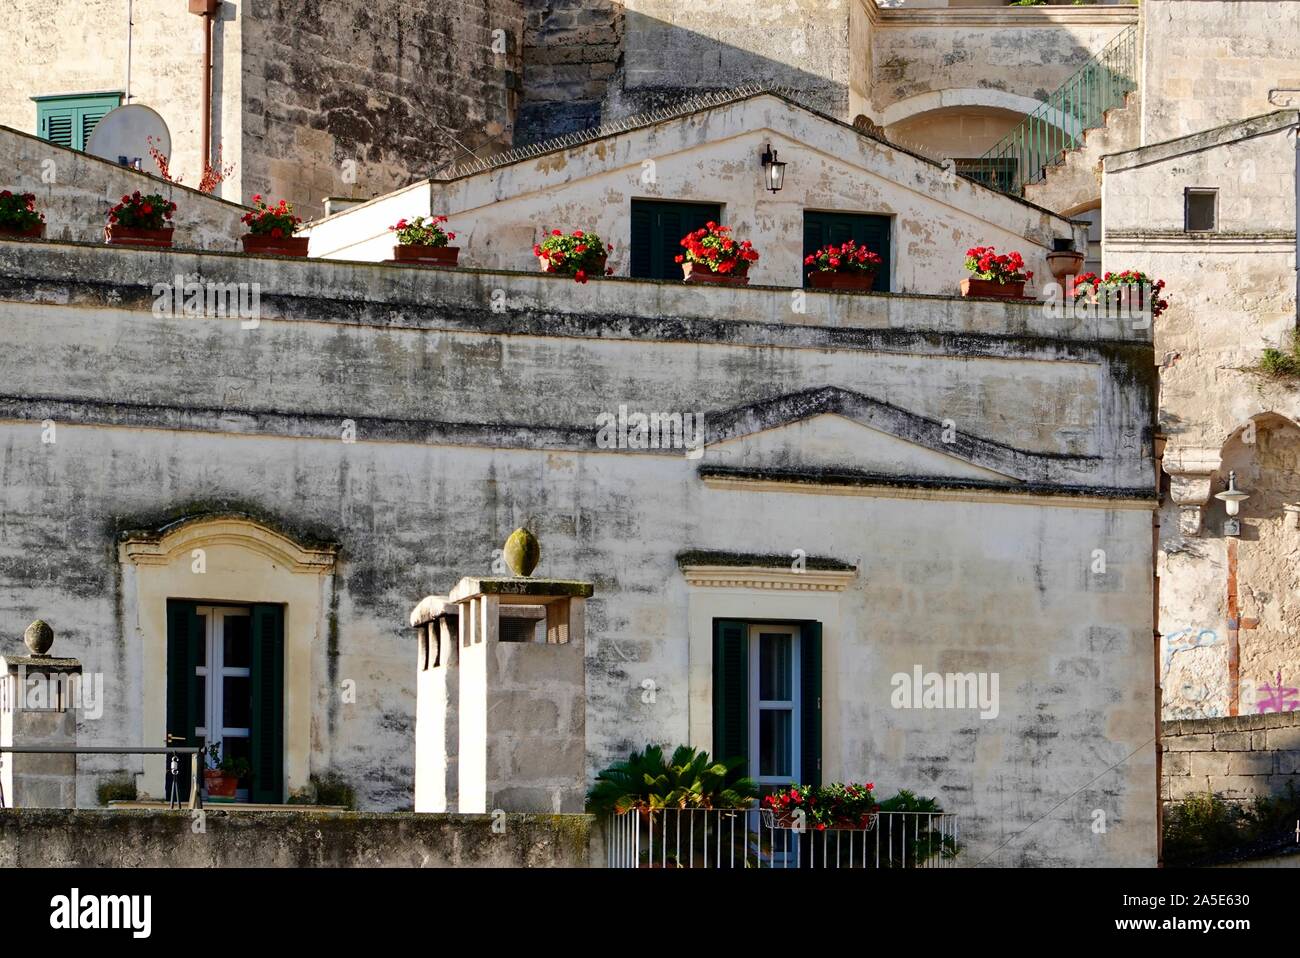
(773, 170)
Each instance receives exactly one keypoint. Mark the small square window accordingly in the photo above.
(1202, 208)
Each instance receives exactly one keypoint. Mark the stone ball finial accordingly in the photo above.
(39, 637)
(522, 552)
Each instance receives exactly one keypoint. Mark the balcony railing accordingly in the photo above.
(1079, 104)
(752, 838)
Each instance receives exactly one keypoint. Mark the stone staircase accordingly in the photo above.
(1073, 182)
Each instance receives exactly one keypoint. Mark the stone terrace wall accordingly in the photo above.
(1238, 757)
(103, 838)
(83, 187)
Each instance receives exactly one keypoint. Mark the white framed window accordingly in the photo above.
(774, 704)
(225, 687)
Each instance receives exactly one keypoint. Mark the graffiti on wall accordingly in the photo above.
(1276, 697)
(1194, 674)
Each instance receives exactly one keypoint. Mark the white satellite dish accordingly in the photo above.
(125, 134)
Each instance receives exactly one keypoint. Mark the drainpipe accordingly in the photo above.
(207, 9)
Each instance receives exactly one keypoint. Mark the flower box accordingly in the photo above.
(696, 273)
(426, 255)
(789, 820)
(991, 288)
(30, 232)
(260, 244)
(824, 279)
(119, 235)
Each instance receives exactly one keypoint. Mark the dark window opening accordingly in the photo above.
(1202, 207)
(821, 228)
(657, 230)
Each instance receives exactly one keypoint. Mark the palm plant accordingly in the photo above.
(912, 848)
(688, 779)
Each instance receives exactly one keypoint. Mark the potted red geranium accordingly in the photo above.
(1001, 275)
(713, 256)
(18, 216)
(141, 221)
(821, 807)
(423, 240)
(578, 254)
(843, 266)
(271, 229)
(1130, 290)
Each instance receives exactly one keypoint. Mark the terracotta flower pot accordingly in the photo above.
(696, 273)
(991, 288)
(119, 235)
(263, 245)
(829, 279)
(1064, 263)
(426, 255)
(32, 232)
(219, 784)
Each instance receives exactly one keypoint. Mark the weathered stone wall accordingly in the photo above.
(1231, 294)
(356, 98)
(128, 838)
(472, 417)
(571, 50)
(1238, 758)
(1211, 62)
(75, 192)
(714, 156)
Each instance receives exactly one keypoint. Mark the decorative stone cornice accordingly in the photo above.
(1191, 476)
(151, 548)
(766, 577)
(1117, 15)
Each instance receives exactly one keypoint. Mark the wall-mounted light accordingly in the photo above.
(773, 170)
(1232, 496)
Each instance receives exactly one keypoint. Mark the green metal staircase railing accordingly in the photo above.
(1079, 104)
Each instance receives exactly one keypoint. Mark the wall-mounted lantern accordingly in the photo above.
(773, 170)
(1232, 499)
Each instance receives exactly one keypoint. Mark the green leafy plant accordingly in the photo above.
(578, 254)
(1281, 363)
(1134, 283)
(236, 768)
(1203, 828)
(422, 231)
(18, 211)
(838, 805)
(276, 221)
(915, 845)
(688, 779)
(148, 212)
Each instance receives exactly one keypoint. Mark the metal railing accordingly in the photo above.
(754, 838)
(1079, 104)
(172, 772)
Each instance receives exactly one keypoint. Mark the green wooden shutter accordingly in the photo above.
(821, 227)
(69, 120)
(184, 643)
(268, 704)
(730, 690)
(657, 230)
(810, 704)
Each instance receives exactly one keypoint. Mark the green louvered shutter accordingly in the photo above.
(730, 690)
(184, 652)
(268, 704)
(657, 230)
(821, 227)
(810, 704)
(69, 120)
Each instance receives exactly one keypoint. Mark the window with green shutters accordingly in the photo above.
(69, 120)
(821, 228)
(767, 699)
(657, 230)
(225, 683)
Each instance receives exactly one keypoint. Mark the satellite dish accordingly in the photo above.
(125, 134)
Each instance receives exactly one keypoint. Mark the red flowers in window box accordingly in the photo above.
(1131, 290)
(997, 275)
(423, 240)
(578, 254)
(713, 256)
(271, 229)
(141, 220)
(843, 266)
(819, 807)
(18, 216)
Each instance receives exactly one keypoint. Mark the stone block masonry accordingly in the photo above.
(1238, 758)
